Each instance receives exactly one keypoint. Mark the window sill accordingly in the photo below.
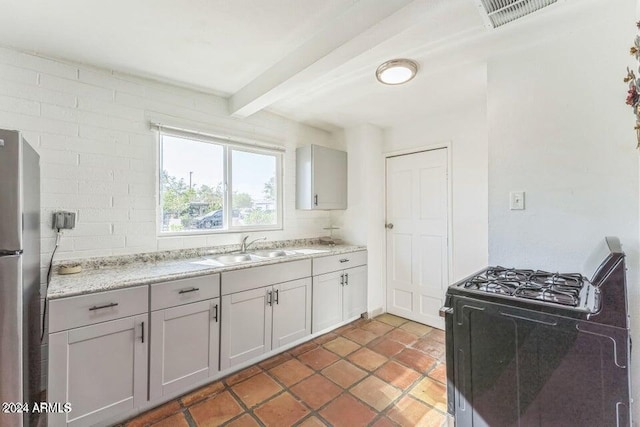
(218, 232)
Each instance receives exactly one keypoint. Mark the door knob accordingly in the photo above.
(389, 226)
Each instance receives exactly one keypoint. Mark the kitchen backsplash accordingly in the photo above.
(119, 260)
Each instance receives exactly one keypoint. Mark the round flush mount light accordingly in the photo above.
(396, 71)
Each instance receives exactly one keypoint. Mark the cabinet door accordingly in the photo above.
(246, 326)
(355, 291)
(184, 346)
(291, 311)
(100, 369)
(329, 178)
(327, 300)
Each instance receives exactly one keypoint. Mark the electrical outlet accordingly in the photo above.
(516, 200)
(64, 220)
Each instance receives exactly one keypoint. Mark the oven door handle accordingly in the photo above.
(444, 310)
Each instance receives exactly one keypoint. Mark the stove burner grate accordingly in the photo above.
(556, 288)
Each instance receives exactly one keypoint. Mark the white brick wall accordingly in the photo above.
(98, 155)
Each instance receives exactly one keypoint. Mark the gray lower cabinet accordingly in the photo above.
(184, 346)
(327, 300)
(291, 312)
(339, 296)
(101, 369)
(354, 294)
(257, 321)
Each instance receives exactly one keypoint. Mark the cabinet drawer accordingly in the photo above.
(257, 277)
(83, 310)
(183, 291)
(331, 263)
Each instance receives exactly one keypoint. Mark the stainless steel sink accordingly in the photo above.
(233, 259)
(270, 253)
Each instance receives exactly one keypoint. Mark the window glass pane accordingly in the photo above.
(191, 185)
(254, 189)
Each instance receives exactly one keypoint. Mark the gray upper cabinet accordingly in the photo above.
(321, 178)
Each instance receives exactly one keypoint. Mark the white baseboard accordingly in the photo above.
(375, 312)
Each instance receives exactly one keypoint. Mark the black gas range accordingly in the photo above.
(536, 348)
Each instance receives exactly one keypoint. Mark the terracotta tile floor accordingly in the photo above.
(382, 372)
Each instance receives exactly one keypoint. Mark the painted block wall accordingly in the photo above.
(560, 131)
(363, 221)
(98, 154)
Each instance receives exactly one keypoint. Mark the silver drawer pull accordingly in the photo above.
(186, 291)
(100, 307)
(344, 260)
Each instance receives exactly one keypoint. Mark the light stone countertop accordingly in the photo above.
(123, 274)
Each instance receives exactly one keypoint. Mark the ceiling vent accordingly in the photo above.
(499, 12)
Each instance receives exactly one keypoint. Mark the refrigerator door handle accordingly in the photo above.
(10, 253)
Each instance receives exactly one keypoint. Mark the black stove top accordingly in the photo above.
(568, 289)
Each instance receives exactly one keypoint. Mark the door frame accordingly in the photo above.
(414, 150)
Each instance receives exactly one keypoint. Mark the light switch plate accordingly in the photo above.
(516, 200)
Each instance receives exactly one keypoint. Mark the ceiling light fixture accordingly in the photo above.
(396, 71)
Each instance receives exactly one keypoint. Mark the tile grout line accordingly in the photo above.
(319, 343)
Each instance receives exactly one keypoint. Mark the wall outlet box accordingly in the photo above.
(64, 220)
(516, 200)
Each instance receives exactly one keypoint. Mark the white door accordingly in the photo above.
(417, 246)
(184, 346)
(291, 311)
(245, 326)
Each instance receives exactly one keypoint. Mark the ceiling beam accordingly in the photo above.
(363, 26)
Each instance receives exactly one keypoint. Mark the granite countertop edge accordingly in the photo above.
(147, 273)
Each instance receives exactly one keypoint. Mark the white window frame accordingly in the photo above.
(228, 146)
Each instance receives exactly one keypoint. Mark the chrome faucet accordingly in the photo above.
(245, 245)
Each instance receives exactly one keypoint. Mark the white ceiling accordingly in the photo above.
(312, 60)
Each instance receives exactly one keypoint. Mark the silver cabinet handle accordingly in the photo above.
(315, 200)
(343, 260)
(346, 279)
(277, 296)
(142, 332)
(100, 307)
(269, 298)
(342, 279)
(215, 313)
(186, 291)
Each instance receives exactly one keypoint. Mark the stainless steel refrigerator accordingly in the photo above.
(19, 275)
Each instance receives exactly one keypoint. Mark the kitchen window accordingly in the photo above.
(212, 185)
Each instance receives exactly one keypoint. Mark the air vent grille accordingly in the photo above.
(500, 12)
